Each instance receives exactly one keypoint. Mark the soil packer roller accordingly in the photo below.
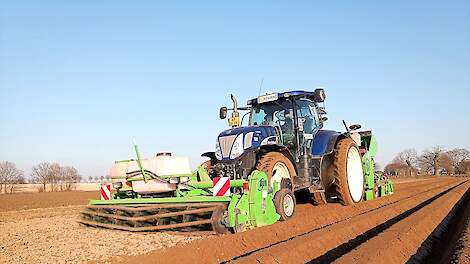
(251, 178)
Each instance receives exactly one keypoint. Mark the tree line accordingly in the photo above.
(57, 177)
(434, 161)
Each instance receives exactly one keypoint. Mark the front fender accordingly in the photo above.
(282, 149)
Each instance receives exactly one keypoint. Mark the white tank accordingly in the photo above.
(161, 165)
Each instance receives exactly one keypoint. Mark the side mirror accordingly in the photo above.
(223, 112)
(320, 95)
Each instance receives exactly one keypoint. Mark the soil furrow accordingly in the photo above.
(322, 245)
(445, 244)
(224, 248)
(398, 243)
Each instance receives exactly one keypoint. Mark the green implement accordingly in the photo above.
(246, 209)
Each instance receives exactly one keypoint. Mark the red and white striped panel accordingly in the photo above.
(105, 191)
(221, 186)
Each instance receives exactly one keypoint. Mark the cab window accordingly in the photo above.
(307, 115)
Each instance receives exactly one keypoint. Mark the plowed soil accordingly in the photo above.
(392, 229)
(425, 221)
(23, 201)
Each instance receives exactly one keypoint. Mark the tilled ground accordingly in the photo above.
(52, 235)
(395, 229)
(422, 217)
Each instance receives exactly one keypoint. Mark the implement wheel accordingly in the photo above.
(277, 167)
(284, 202)
(348, 173)
(218, 220)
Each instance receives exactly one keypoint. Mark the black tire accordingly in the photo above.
(340, 184)
(269, 160)
(283, 209)
(218, 220)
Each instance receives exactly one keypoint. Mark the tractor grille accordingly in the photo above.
(226, 144)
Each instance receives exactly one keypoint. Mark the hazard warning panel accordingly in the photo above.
(221, 186)
(105, 191)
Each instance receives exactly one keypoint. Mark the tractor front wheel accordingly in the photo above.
(277, 167)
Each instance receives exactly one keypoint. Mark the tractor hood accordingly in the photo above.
(232, 143)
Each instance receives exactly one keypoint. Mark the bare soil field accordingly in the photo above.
(23, 201)
(34, 187)
(426, 220)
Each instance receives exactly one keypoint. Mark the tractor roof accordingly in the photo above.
(269, 97)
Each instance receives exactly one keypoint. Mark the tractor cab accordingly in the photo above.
(291, 119)
(296, 116)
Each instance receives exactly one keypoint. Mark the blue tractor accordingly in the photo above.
(284, 137)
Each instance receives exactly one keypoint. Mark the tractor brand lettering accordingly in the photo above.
(267, 98)
(221, 186)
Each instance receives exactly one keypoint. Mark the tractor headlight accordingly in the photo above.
(237, 147)
(117, 185)
(218, 151)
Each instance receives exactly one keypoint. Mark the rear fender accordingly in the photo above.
(325, 141)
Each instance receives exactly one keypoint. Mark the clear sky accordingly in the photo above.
(80, 79)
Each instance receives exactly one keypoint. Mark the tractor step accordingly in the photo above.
(318, 194)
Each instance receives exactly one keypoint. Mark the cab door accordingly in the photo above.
(308, 123)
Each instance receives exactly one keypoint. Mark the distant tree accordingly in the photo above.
(96, 178)
(10, 176)
(457, 156)
(445, 164)
(407, 161)
(90, 178)
(429, 161)
(395, 168)
(41, 174)
(101, 178)
(70, 176)
(55, 177)
(465, 166)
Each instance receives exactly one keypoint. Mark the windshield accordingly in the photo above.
(271, 114)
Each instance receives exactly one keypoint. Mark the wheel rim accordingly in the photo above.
(280, 171)
(355, 174)
(288, 205)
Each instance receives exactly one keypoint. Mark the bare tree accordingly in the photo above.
(465, 166)
(41, 174)
(445, 164)
(10, 176)
(70, 177)
(429, 160)
(55, 176)
(457, 156)
(407, 160)
(394, 168)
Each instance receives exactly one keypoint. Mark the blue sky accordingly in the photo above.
(80, 79)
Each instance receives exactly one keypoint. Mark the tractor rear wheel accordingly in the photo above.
(277, 167)
(348, 174)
